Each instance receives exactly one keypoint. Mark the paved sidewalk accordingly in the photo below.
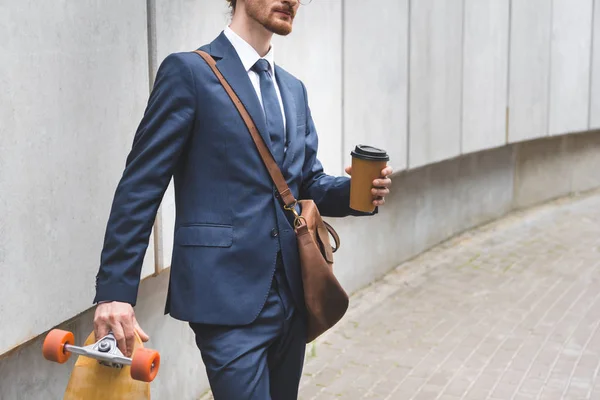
(508, 311)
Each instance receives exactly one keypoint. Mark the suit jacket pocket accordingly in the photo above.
(204, 235)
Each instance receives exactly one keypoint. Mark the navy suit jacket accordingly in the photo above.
(229, 223)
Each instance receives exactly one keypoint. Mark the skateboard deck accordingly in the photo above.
(91, 380)
(101, 371)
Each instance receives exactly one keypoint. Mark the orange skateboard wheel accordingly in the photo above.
(145, 364)
(54, 345)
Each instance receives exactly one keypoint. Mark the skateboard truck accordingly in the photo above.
(59, 345)
(105, 351)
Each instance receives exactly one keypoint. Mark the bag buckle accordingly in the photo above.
(298, 219)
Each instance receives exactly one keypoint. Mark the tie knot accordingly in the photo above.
(261, 65)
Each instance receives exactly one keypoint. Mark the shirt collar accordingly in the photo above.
(246, 52)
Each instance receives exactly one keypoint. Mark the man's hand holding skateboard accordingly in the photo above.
(112, 363)
(118, 318)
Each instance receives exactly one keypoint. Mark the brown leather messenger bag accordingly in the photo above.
(326, 301)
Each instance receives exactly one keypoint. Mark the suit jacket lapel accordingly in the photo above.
(289, 105)
(233, 70)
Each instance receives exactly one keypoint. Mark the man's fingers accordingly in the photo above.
(117, 330)
(119, 319)
(348, 170)
(380, 192)
(100, 330)
(387, 171)
(101, 324)
(143, 336)
(381, 187)
(129, 333)
(382, 182)
(379, 202)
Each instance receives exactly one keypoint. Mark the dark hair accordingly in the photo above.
(232, 4)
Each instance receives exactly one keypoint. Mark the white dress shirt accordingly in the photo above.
(249, 57)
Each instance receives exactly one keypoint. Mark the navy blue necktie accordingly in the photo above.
(272, 109)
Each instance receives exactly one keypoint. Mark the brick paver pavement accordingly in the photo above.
(507, 311)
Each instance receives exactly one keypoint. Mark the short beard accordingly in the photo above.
(264, 18)
(278, 28)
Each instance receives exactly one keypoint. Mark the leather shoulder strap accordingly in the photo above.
(270, 163)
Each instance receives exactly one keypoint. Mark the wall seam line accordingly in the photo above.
(549, 83)
(508, 72)
(152, 45)
(461, 139)
(152, 68)
(591, 80)
(343, 83)
(408, 80)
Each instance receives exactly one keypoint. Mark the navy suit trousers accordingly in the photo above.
(262, 360)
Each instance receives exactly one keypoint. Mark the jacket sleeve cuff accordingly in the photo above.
(116, 292)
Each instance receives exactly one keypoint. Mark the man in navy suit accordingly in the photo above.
(235, 273)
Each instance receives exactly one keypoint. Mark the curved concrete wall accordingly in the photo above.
(463, 97)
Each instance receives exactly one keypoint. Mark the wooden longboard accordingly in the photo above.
(92, 381)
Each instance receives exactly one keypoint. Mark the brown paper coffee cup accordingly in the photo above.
(367, 164)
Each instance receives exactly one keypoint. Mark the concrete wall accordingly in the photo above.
(72, 74)
(552, 168)
(570, 66)
(485, 74)
(461, 94)
(531, 22)
(435, 80)
(375, 54)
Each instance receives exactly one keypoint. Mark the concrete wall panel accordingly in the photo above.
(487, 24)
(541, 162)
(531, 22)
(376, 77)
(313, 53)
(435, 80)
(595, 84)
(74, 76)
(584, 150)
(185, 25)
(547, 169)
(570, 66)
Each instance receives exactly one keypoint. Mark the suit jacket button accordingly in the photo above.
(274, 232)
